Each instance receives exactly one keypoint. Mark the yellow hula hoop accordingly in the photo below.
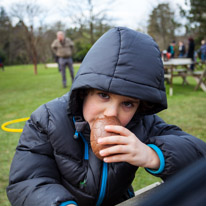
(3, 126)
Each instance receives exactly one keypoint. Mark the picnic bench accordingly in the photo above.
(55, 65)
(179, 67)
(140, 195)
(186, 187)
(51, 65)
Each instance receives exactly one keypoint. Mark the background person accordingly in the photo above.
(191, 51)
(1, 64)
(63, 48)
(171, 49)
(181, 49)
(203, 50)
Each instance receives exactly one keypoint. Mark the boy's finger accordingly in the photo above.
(114, 150)
(117, 129)
(113, 140)
(116, 158)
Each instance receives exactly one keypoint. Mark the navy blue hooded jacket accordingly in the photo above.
(54, 163)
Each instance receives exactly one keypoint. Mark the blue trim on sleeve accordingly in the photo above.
(161, 157)
(67, 203)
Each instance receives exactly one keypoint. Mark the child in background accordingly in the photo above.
(171, 49)
(203, 50)
(181, 49)
(1, 64)
(122, 75)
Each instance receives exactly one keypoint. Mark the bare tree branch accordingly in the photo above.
(27, 14)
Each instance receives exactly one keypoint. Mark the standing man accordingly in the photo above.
(63, 47)
(191, 51)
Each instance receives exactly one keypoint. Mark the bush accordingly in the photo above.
(80, 51)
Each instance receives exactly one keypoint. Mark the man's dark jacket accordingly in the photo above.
(54, 162)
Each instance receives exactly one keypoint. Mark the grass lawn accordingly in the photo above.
(21, 92)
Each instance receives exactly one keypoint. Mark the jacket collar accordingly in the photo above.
(82, 126)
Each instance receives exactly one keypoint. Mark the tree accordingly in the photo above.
(162, 25)
(196, 16)
(90, 18)
(27, 14)
(18, 49)
(5, 31)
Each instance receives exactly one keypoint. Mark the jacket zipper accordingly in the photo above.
(86, 147)
(103, 184)
(104, 173)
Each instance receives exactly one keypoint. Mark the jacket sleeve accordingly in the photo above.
(34, 177)
(179, 148)
(54, 47)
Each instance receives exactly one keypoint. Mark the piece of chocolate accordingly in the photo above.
(98, 131)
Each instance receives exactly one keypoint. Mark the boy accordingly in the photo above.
(122, 75)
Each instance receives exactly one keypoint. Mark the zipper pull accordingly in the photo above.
(76, 135)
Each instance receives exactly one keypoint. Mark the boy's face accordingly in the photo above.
(98, 104)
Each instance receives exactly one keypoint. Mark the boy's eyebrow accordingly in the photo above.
(136, 101)
(133, 100)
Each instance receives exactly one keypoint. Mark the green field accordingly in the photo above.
(21, 92)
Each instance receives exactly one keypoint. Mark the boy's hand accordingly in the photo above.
(128, 148)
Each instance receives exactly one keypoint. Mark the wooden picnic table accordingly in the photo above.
(179, 67)
(140, 195)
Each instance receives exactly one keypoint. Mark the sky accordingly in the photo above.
(130, 13)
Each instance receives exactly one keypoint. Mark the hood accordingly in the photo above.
(124, 62)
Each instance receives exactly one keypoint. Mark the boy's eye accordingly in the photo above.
(128, 104)
(103, 95)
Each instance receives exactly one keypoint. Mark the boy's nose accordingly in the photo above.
(111, 111)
